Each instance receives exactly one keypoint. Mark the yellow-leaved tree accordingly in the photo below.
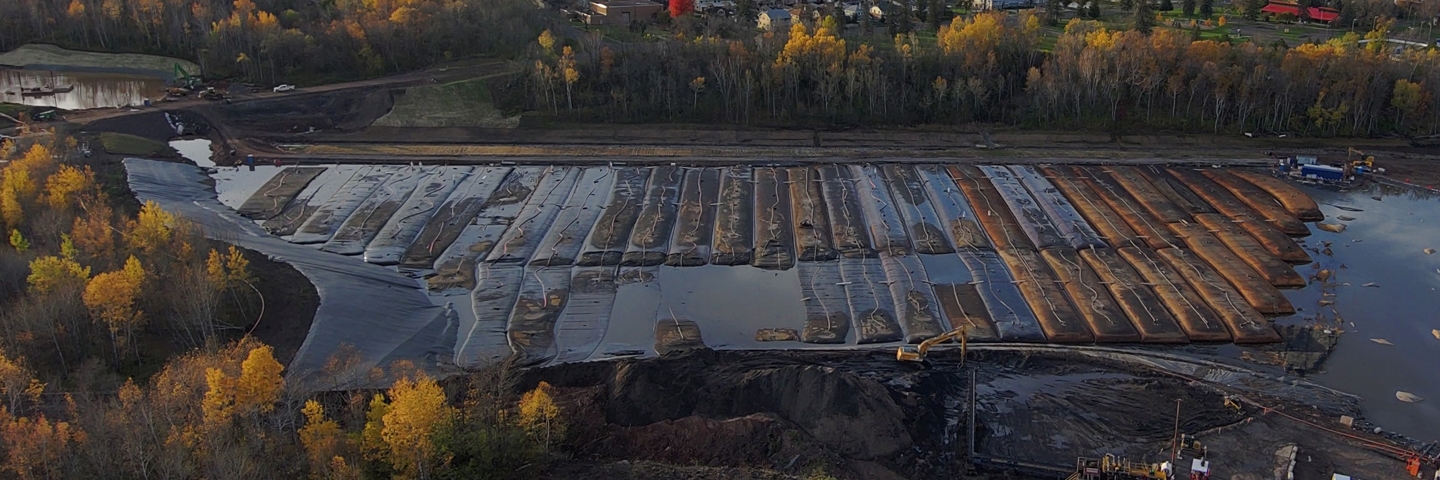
(228, 270)
(539, 415)
(151, 228)
(218, 405)
(325, 444)
(68, 185)
(255, 390)
(51, 273)
(372, 440)
(12, 213)
(417, 409)
(36, 447)
(111, 298)
(260, 382)
(215, 270)
(94, 233)
(17, 382)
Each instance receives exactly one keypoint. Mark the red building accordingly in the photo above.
(1318, 14)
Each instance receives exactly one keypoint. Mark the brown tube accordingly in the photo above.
(810, 219)
(961, 304)
(1194, 315)
(1092, 300)
(1058, 318)
(1145, 310)
(1278, 273)
(1274, 242)
(1106, 222)
(1260, 293)
(1146, 226)
(1264, 204)
(1246, 325)
(1151, 198)
(1294, 200)
(989, 208)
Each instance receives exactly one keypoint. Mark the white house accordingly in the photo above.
(774, 19)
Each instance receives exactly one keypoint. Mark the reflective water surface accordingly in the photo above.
(88, 90)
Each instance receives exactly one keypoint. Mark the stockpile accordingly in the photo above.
(456, 267)
(450, 219)
(310, 200)
(649, 239)
(327, 219)
(404, 225)
(874, 253)
(847, 220)
(733, 218)
(274, 195)
(694, 227)
(372, 213)
(811, 221)
(518, 243)
(564, 239)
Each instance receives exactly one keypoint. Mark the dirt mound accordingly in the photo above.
(301, 112)
(151, 125)
(853, 415)
(699, 440)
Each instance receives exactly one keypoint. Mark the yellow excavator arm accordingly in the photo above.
(917, 353)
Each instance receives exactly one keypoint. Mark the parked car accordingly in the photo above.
(284, 87)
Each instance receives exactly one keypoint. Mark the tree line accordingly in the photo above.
(987, 68)
(229, 412)
(268, 40)
(93, 289)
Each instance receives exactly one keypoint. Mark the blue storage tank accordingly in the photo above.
(1323, 172)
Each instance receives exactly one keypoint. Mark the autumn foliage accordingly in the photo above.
(681, 7)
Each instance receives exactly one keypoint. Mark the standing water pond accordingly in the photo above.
(78, 90)
(1384, 296)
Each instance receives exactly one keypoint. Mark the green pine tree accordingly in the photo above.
(1052, 12)
(1207, 8)
(1187, 7)
(1144, 17)
(1095, 9)
(1252, 9)
(1127, 5)
(1167, 6)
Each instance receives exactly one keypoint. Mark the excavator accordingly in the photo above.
(916, 353)
(185, 79)
(1356, 158)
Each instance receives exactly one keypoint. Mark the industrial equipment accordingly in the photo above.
(212, 94)
(1357, 158)
(185, 79)
(1111, 467)
(916, 353)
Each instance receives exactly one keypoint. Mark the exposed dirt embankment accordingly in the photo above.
(863, 415)
(720, 409)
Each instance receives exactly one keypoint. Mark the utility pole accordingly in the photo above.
(1175, 438)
